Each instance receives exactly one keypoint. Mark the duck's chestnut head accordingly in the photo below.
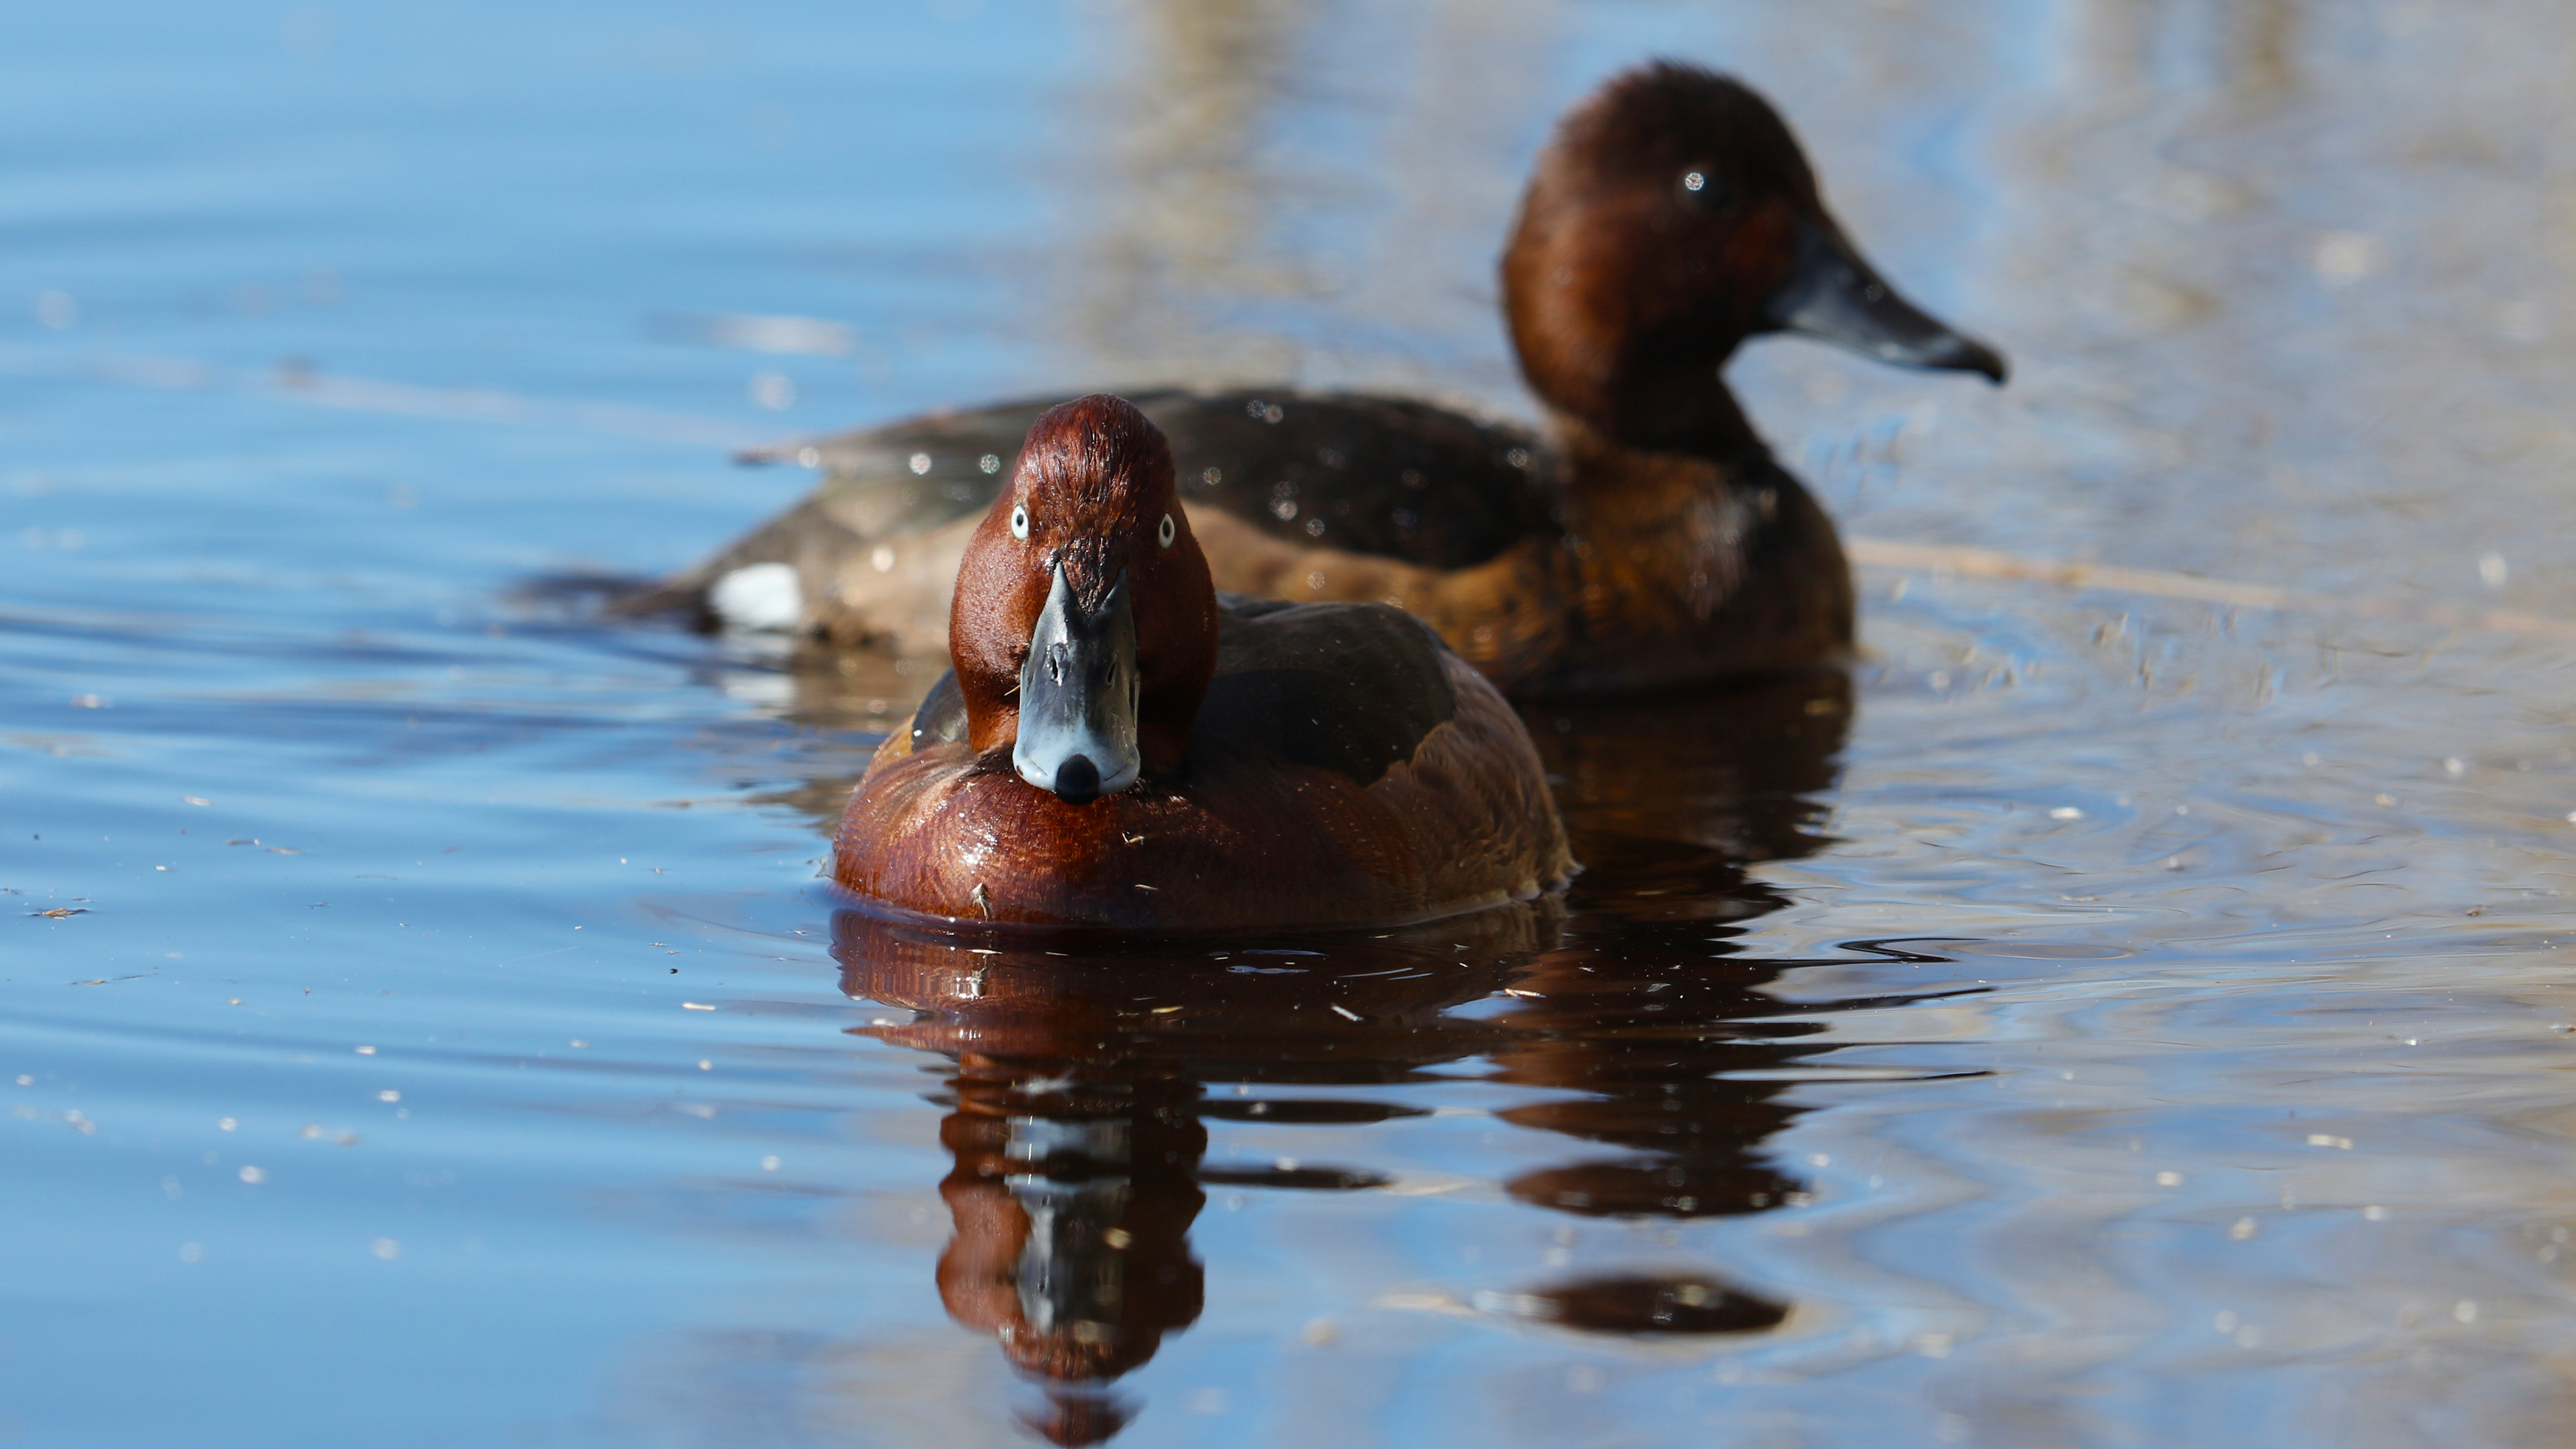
(1672, 216)
(1084, 630)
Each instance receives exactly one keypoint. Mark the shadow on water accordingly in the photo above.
(1078, 1095)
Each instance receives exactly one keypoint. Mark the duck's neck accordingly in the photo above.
(1697, 442)
(1688, 411)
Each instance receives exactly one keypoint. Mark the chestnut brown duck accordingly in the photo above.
(1118, 746)
(1648, 540)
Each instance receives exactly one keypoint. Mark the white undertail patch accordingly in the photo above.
(759, 597)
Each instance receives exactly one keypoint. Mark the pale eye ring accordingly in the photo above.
(1169, 532)
(1694, 181)
(1020, 522)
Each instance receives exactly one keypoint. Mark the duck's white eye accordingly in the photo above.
(1020, 522)
(1694, 181)
(1168, 533)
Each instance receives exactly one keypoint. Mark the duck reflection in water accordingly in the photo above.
(1073, 1199)
(1076, 1120)
(1078, 1117)
(1647, 1000)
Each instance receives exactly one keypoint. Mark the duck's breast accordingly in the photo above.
(1346, 769)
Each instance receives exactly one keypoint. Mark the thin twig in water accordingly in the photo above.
(1982, 563)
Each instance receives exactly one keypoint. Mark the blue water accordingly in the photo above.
(2116, 1014)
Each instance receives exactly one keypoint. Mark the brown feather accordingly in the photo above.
(1239, 841)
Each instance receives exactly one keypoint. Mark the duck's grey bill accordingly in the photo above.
(1834, 295)
(1078, 697)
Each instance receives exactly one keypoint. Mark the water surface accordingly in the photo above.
(2109, 1014)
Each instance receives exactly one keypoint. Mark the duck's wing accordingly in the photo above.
(1392, 476)
(1353, 688)
(1434, 759)
(1395, 477)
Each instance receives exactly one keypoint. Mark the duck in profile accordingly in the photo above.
(1118, 746)
(1649, 540)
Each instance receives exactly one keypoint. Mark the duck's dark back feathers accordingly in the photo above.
(1345, 470)
(1370, 475)
(1352, 688)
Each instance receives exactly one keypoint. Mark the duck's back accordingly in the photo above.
(1388, 477)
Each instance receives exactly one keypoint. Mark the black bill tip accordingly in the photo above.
(1077, 780)
(1962, 353)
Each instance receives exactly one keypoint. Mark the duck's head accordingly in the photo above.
(1084, 629)
(1671, 217)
